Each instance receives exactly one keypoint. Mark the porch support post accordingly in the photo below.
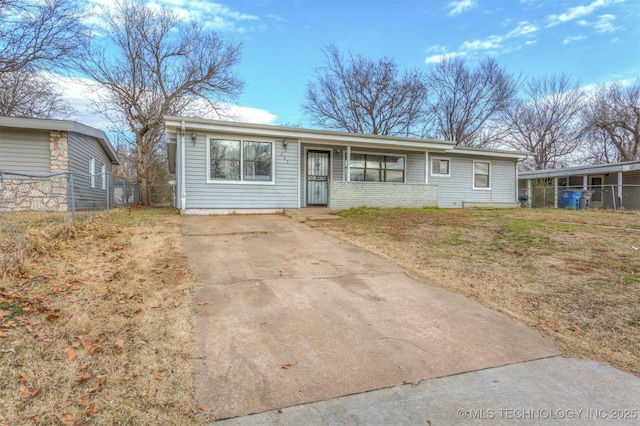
(620, 187)
(426, 167)
(530, 200)
(585, 181)
(348, 163)
(555, 192)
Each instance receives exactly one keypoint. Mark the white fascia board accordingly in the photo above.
(490, 153)
(306, 135)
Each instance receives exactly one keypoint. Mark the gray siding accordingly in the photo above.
(203, 195)
(81, 148)
(25, 151)
(454, 190)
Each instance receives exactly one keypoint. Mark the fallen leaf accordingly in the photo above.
(35, 418)
(92, 410)
(202, 303)
(84, 376)
(52, 317)
(71, 354)
(119, 344)
(286, 366)
(202, 408)
(22, 378)
(66, 418)
(86, 344)
(576, 329)
(85, 401)
(158, 377)
(634, 248)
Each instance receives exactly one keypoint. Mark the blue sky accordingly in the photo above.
(591, 40)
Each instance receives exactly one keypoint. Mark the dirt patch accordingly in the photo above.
(559, 271)
(94, 326)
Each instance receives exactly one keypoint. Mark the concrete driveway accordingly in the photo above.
(287, 315)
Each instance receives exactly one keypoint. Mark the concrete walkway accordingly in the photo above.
(286, 316)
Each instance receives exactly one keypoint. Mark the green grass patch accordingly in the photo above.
(14, 308)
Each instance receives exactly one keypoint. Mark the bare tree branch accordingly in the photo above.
(29, 93)
(359, 95)
(613, 119)
(156, 65)
(39, 34)
(463, 101)
(547, 122)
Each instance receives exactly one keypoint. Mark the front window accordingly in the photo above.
(234, 160)
(481, 174)
(257, 161)
(440, 167)
(377, 168)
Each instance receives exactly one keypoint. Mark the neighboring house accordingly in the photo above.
(614, 186)
(30, 147)
(226, 167)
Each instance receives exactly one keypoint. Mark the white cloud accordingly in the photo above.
(461, 6)
(82, 92)
(524, 28)
(489, 43)
(605, 24)
(579, 11)
(215, 16)
(573, 39)
(437, 58)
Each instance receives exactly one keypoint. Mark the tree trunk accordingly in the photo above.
(143, 172)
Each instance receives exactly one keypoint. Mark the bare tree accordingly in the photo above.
(359, 95)
(27, 93)
(153, 64)
(464, 101)
(38, 33)
(547, 122)
(612, 115)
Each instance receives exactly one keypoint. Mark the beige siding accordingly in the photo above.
(25, 151)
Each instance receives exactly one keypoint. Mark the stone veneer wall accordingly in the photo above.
(346, 195)
(47, 194)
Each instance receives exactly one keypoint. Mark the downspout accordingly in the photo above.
(183, 184)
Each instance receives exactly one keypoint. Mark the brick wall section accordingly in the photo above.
(47, 194)
(346, 195)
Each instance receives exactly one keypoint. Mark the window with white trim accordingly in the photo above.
(377, 168)
(481, 175)
(103, 173)
(440, 166)
(240, 161)
(92, 172)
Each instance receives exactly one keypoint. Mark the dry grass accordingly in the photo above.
(94, 325)
(573, 275)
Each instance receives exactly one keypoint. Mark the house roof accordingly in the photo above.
(581, 170)
(192, 125)
(63, 126)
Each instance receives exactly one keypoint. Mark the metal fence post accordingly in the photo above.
(106, 177)
(73, 199)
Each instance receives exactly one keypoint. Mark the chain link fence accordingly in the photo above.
(607, 197)
(42, 207)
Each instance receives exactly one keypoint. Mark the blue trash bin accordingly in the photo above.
(570, 199)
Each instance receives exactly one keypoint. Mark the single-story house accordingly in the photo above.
(613, 186)
(231, 167)
(31, 147)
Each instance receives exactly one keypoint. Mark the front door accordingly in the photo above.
(596, 185)
(317, 178)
